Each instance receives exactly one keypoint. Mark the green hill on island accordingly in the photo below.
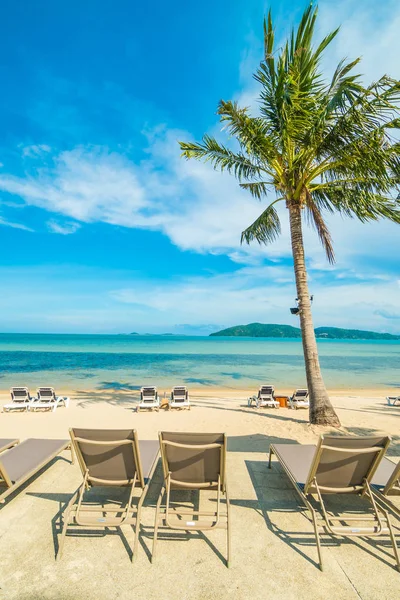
(287, 331)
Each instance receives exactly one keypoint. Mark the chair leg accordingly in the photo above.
(156, 523)
(270, 457)
(228, 529)
(317, 538)
(65, 525)
(137, 524)
(394, 543)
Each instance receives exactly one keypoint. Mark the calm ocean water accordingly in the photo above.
(122, 361)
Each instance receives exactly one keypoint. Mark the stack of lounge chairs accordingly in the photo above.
(46, 399)
(264, 398)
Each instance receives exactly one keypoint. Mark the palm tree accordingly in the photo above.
(323, 147)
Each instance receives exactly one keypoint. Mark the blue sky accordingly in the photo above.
(104, 228)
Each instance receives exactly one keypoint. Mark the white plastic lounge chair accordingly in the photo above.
(179, 397)
(20, 399)
(338, 465)
(393, 400)
(299, 399)
(149, 398)
(47, 399)
(265, 397)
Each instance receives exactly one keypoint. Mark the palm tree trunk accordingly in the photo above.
(321, 409)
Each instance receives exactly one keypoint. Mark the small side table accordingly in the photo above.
(283, 401)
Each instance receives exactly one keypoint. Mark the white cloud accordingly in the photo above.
(35, 150)
(63, 228)
(7, 223)
(263, 294)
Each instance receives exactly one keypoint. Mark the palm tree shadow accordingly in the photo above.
(112, 393)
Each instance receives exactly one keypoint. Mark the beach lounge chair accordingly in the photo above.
(265, 397)
(149, 398)
(25, 460)
(47, 399)
(179, 397)
(6, 444)
(193, 461)
(338, 465)
(20, 399)
(393, 400)
(386, 484)
(299, 399)
(109, 458)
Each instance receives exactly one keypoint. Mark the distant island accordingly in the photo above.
(287, 331)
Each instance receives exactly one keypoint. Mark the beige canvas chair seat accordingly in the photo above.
(386, 483)
(109, 458)
(24, 460)
(338, 465)
(179, 398)
(193, 461)
(7, 443)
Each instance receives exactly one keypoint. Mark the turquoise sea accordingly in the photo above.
(82, 362)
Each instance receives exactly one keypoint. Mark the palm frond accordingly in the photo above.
(221, 158)
(265, 229)
(316, 219)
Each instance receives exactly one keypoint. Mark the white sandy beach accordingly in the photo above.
(273, 549)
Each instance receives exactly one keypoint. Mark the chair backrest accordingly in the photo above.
(108, 456)
(20, 394)
(343, 464)
(266, 390)
(46, 393)
(179, 393)
(300, 394)
(148, 394)
(393, 484)
(193, 460)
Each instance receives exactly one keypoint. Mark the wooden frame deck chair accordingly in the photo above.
(338, 465)
(386, 482)
(393, 400)
(47, 399)
(6, 444)
(24, 460)
(20, 399)
(109, 458)
(179, 397)
(299, 399)
(149, 398)
(193, 461)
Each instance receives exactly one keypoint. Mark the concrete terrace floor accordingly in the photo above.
(273, 547)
